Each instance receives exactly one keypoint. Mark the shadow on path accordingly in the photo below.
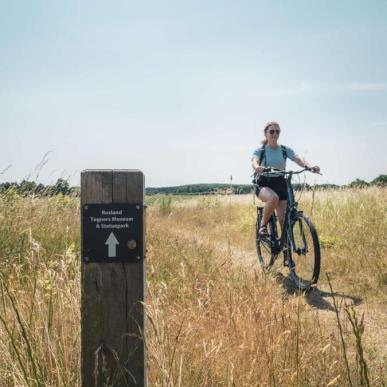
(315, 297)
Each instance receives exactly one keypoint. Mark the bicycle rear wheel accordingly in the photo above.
(303, 257)
(264, 244)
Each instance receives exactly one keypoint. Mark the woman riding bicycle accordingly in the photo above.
(272, 189)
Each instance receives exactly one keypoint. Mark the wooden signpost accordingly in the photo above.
(113, 277)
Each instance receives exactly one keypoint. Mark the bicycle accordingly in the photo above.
(299, 239)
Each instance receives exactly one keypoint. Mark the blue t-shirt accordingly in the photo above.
(273, 157)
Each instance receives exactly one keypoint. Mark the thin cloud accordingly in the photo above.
(368, 86)
(304, 88)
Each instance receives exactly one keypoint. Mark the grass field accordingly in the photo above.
(213, 318)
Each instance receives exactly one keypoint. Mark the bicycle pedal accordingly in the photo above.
(286, 264)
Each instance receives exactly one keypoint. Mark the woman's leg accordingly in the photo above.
(281, 210)
(270, 198)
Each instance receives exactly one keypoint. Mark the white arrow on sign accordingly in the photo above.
(112, 242)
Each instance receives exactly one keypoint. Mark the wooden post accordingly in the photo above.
(112, 313)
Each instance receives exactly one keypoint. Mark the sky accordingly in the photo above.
(182, 89)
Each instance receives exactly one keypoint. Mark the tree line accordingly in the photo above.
(62, 186)
(27, 188)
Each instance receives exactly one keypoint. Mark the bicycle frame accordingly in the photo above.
(291, 213)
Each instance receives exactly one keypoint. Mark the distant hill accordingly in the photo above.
(225, 189)
(201, 189)
(63, 187)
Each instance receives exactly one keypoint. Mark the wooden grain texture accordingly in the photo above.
(112, 315)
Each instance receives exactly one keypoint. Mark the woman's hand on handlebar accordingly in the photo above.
(267, 169)
(260, 169)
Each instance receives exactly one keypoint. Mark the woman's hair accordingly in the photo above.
(267, 126)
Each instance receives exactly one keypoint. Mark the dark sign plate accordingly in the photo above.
(112, 232)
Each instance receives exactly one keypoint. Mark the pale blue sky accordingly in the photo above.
(182, 89)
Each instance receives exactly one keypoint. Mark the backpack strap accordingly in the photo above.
(284, 152)
(262, 154)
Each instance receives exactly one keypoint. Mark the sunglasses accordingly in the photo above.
(274, 131)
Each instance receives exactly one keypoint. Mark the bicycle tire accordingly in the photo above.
(304, 257)
(264, 245)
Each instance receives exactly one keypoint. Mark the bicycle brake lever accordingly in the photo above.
(314, 171)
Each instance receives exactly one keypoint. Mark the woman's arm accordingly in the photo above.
(302, 163)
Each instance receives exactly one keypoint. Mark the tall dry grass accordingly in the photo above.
(213, 318)
(39, 291)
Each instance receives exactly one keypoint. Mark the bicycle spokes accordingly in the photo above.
(265, 246)
(300, 238)
(304, 253)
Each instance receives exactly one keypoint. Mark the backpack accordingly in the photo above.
(262, 154)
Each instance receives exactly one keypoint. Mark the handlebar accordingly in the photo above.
(276, 171)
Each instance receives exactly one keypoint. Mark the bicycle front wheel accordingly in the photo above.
(303, 254)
